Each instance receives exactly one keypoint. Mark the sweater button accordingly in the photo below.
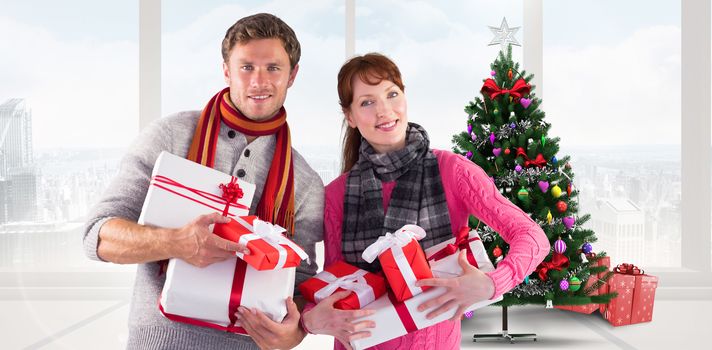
(241, 173)
(247, 153)
(231, 134)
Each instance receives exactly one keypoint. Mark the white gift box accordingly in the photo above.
(449, 265)
(395, 319)
(180, 191)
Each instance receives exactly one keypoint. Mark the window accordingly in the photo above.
(68, 109)
(613, 87)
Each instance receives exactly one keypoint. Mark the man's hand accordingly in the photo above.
(269, 334)
(462, 291)
(197, 245)
(325, 319)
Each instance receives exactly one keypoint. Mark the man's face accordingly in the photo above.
(258, 73)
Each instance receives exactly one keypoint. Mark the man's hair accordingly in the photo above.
(262, 26)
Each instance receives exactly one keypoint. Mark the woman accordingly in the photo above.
(393, 178)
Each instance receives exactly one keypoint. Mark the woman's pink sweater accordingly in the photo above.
(468, 190)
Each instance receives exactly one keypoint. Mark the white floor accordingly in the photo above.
(63, 324)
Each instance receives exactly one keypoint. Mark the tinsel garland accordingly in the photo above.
(535, 287)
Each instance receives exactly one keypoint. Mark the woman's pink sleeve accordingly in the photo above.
(528, 244)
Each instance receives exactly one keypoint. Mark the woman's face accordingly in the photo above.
(380, 114)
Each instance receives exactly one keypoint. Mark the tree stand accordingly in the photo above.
(505, 334)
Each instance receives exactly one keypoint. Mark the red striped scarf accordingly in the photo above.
(277, 202)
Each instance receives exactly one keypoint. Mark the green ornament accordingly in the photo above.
(574, 283)
(523, 194)
(543, 140)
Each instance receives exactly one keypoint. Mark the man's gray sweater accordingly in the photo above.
(124, 198)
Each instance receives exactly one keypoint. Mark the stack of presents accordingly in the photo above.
(181, 190)
(636, 294)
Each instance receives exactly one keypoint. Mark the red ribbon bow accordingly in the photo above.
(539, 161)
(517, 91)
(628, 269)
(462, 242)
(231, 193)
(558, 262)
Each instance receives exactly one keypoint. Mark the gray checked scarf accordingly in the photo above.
(418, 197)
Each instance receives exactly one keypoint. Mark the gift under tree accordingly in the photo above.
(507, 136)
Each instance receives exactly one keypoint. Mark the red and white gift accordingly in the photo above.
(269, 248)
(181, 190)
(395, 319)
(402, 260)
(443, 257)
(365, 286)
(636, 296)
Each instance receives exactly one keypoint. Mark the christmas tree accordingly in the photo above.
(508, 138)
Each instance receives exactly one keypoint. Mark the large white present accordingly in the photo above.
(394, 319)
(180, 191)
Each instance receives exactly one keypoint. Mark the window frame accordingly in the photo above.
(692, 281)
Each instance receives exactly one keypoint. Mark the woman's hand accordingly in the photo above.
(462, 291)
(325, 319)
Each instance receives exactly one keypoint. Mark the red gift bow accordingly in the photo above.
(462, 242)
(558, 262)
(231, 192)
(628, 269)
(539, 161)
(519, 89)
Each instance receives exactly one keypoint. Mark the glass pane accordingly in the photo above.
(192, 66)
(612, 93)
(442, 51)
(67, 77)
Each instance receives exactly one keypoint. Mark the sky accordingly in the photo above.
(614, 72)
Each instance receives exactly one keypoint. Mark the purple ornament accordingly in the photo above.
(492, 138)
(493, 73)
(564, 285)
(518, 168)
(469, 128)
(469, 154)
(496, 151)
(474, 137)
(559, 246)
(544, 186)
(569, 222)
(525, 102)
(587, 248)
(469, 314)
(513, 126)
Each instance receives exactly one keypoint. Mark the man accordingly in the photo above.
(260, 62)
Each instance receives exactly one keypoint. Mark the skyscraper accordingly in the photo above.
(17, 172)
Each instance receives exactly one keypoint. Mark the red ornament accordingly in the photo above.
(509, 74)
(497, 252)
(561, 206)
(568, 189)
(507, 151)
